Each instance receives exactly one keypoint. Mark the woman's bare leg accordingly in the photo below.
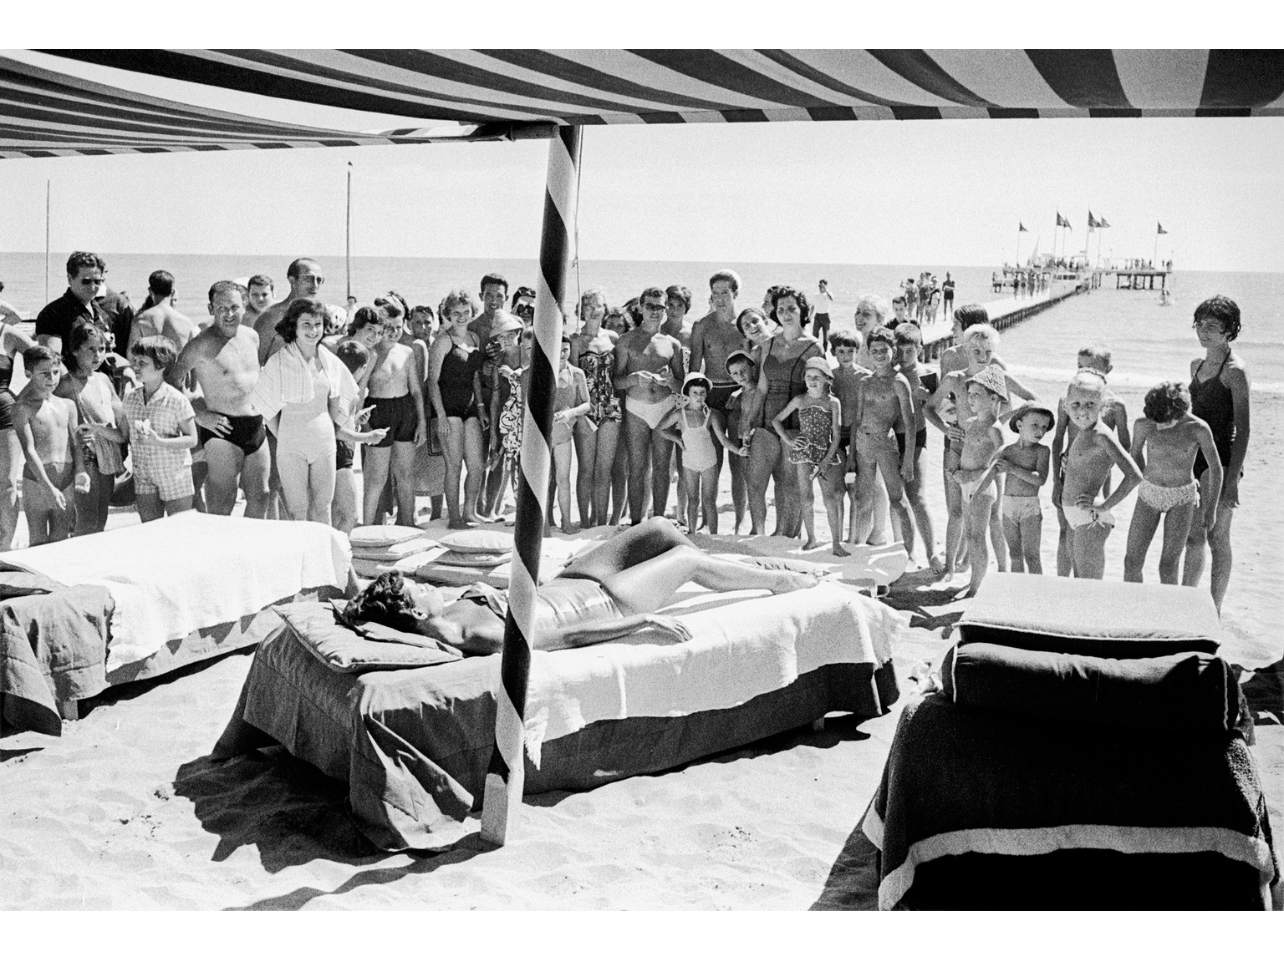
(608, 435)
(585, 438)
(661, 464)
(646, 587)
(475, 461)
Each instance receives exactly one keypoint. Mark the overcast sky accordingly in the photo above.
(887, 192)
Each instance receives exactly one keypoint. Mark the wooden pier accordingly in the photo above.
(938, 335)
(1137, 278)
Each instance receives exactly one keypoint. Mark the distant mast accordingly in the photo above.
(47, 191)
(347, 256)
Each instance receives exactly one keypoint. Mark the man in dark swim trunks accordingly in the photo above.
(224, 357)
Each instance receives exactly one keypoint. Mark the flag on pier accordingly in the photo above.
(1102, 224)
(1063, 222)
(1021, 228)
(1161, 228)
(1092, 223)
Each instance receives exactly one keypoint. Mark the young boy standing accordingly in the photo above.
(160, 427)
(883, 401)
(982, 440)
(47, 428)
(1026, 464)
(1114, 415)
(909, 341)
(1094, 450)
(846, 385)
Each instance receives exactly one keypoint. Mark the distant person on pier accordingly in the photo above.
(1219, 393)
(947, 295)
(820, 319)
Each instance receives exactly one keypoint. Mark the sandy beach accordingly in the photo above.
(125, 811)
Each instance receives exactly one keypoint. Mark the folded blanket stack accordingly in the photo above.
(378, 549)
(466, 557)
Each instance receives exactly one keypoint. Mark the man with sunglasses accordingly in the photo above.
(524, 305)
(85, 281)
(306, 279)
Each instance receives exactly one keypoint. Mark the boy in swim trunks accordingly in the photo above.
(847, 378)
(909, 341)
(47, 428)
(1113, 414)
(883, 401)
(982, 440)
(1092, 454)
(1025, 464)
(160, 427)
(1164, 444)
(396, 393)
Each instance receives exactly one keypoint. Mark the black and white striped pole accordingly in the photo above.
(507, 772)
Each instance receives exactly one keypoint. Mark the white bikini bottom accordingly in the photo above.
(1164, 499)
(651, 411)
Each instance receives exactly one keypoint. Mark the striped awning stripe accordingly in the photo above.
(500, 92)
(48, 114)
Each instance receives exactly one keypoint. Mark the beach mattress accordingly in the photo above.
(980, 809)
(414, 744)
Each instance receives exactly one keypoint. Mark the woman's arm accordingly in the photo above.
(1237, 380)
(1141, 431)
(587, 634)
(1019, 388)
(778, 422)
(437, 354)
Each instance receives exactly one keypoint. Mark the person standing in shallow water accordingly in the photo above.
(1219, 395)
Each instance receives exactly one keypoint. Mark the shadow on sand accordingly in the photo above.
(853, 879)
(1264, 692)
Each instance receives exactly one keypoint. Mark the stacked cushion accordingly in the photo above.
(380, 547)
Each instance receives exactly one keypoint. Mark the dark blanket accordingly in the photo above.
(413, 744)
(53, 647)
(982, 808)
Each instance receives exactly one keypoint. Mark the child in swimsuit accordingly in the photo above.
(982, 441)
(693, 426)
(47, 428)
(570, 403)
(814, 450)
(1091, 456)
(1025, 464)
(1165, 443)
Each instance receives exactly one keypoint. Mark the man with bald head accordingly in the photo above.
(224, 359)
(306, 278)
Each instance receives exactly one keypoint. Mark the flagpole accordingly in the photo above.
(1018, 253)
(347, 255)
(47, 192)
(1156, 255)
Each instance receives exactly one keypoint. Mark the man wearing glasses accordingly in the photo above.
(524, 305)
(306, 279)
(85, 280)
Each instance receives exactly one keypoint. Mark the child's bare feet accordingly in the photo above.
(839, 551)
(937, 565)
(811, 544)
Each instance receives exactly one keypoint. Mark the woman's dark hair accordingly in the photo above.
(82, 331)
(1226, 312)
(288, 325)
(364, 317)
(804, 308)
(970, 314)
(384, 601)
(1167, 402)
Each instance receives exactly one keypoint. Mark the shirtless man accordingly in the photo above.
(1093, 452)
(261, 297)
(161, 318)
(648, 366)
(396, 393)
(224, 359)
(306, 278)
(883, 404)
(715, 337)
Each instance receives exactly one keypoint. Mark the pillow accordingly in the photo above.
(1190, 692)
(370, 647)
(381, 535)
(453, 558)
(478, 541)
(445, 575)
(1090, 617)
(394, 551)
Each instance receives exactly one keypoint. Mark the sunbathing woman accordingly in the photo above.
(608, 593)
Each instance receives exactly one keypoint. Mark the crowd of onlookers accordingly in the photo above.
(272, 397)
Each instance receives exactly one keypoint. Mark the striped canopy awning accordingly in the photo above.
(499, 93)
